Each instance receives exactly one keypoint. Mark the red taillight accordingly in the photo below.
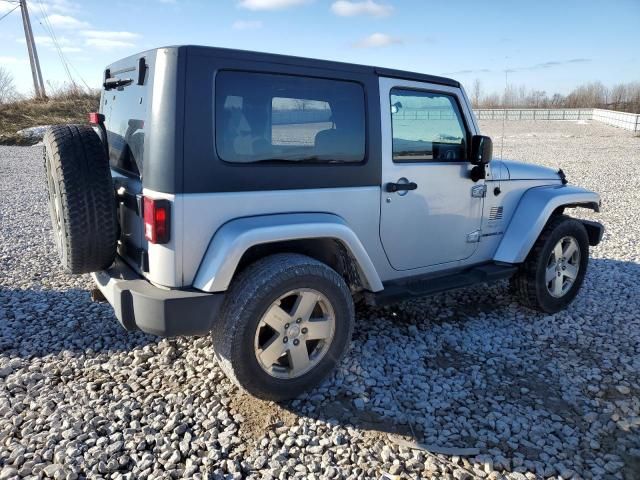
(96, 118)
(156, 220)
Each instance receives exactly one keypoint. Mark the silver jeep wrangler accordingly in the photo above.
(256, 196)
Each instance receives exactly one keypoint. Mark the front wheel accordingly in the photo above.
(554, 270)
(286, 323)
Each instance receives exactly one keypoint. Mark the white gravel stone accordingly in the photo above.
(466, 371)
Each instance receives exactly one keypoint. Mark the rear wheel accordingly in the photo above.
(554, 270)
(286, 324)
(81, 198)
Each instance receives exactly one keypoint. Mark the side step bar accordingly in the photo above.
(395, 292)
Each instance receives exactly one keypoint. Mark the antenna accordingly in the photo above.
(504, 114)
(498, 189)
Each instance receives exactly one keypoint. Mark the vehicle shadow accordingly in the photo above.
(41, 322)
(473, 369)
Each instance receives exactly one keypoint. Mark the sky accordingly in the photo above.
(544, 45)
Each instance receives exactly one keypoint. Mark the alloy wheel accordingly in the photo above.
(562, 267)
(295, 333)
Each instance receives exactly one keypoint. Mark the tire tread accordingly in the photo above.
(90, 227)
(524, 283)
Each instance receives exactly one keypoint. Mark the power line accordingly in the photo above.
(48, 28)
(66, 63)
(10, 11)
(44, 22)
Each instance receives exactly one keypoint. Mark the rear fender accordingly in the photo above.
(234, 238)
(533, 212)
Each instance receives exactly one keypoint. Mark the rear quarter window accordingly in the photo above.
(269, 118)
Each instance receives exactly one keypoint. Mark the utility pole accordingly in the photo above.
(38, 84)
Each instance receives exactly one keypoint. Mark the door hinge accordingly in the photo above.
(473, 237)
(479, 191)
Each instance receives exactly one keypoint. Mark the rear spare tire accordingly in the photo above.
(81, 198)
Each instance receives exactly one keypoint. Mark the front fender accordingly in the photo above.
(533, 212)
(234, 238)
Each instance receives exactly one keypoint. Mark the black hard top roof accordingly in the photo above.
(311, 62)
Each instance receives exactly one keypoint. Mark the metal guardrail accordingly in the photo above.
(628, 121)
(425, 114)
(534, 113)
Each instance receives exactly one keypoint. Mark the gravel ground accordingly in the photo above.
(461, 385)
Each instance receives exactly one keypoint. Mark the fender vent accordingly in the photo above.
(495, 213)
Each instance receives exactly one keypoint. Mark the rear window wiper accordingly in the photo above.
(110, 80)
(111, 83)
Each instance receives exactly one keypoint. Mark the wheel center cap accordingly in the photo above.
(293, 331)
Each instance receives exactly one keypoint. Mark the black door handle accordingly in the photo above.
(400, 187)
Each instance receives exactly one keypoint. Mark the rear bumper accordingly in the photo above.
(139, 305)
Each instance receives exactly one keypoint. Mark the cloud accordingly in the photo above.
(465, 72)
(7, 7)
(11, 60)
(247, 25)
(537, 66)
(549, 64)
(66, 45)
(108, 40)
(42, 6)
(61, 6)
(346, 8)
(378, 40)
(106, 44)
(109, 35)
(270, 4)
(102, 39)
(66, 21)
(71, 49)
(555, 63)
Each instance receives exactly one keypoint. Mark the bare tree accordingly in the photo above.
(624, 97)
(557, 100)
(492, 101)
(618, 96)
(8, 91)
(589, 95)
(510, 96)
(476, 92)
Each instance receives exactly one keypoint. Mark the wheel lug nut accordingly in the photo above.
(286, 325)
(296, 342)
(304, 330)
(285, 339)
(298, 320)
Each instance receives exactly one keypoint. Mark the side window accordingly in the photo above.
(427, 126)
(280, 118)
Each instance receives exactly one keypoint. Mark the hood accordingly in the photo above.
(527, 171)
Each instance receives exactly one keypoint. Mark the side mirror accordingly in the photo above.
(481, 150)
